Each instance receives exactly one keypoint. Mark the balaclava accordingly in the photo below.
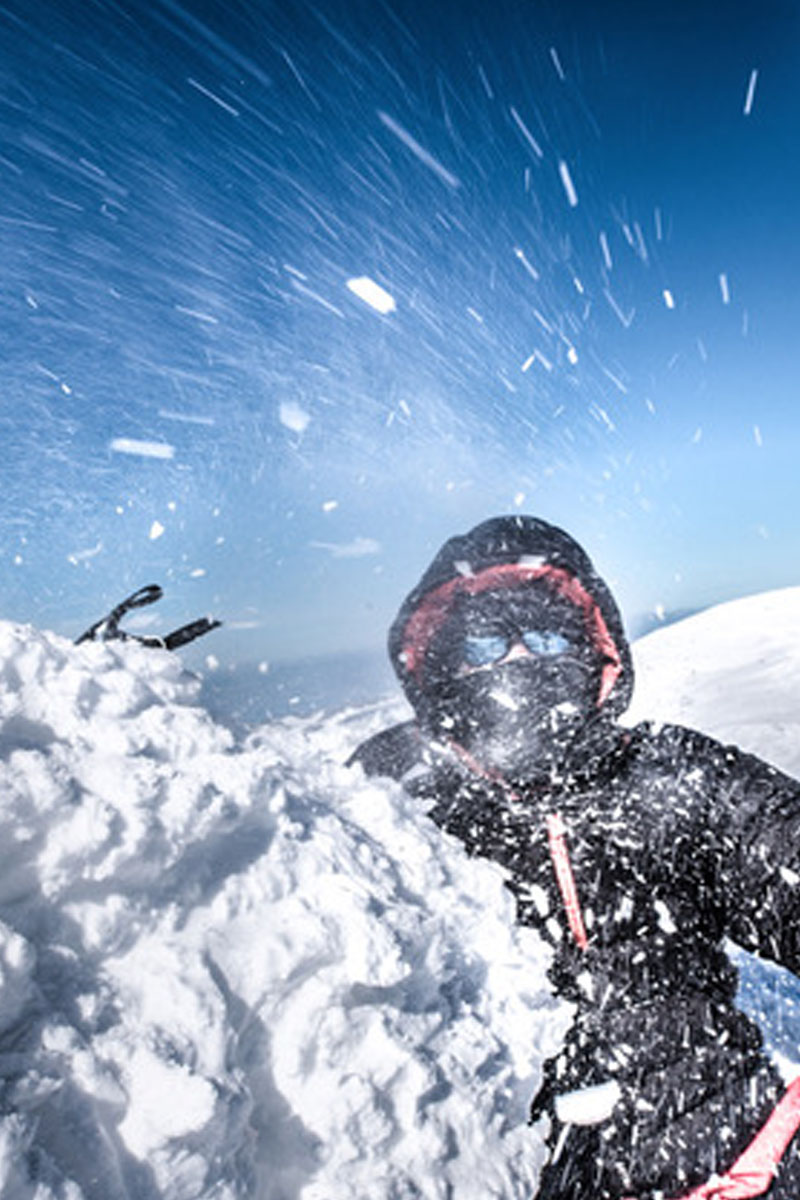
(511, 646)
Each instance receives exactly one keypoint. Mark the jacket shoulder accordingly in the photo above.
(394, 751)
(671, 739)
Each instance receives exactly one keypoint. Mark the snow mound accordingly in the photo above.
(732, 671)
(239, 971)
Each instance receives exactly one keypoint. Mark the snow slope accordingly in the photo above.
(242, 970)
(732, 671)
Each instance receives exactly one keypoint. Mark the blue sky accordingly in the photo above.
(589, 236)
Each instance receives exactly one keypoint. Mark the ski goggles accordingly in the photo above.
(481, 650)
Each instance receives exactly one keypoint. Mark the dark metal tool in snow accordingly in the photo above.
(108, 630)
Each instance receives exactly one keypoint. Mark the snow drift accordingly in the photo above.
(234, 970)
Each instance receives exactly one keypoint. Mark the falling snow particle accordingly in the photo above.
(263, 667)
(212, 662)
(360, 547)
(520, 254)
(143, 449)
(757, 435)
(372, 294)
(601, 415)
(79, 556)
(751, 91)
(156, 530)
(197, 573)
(519, 499)
(617, 382)
(419, 151)
(641, 247)
(291, 65)
(213, 97)
(625, 319)
(569, 186)
(724, 289)
(669, 299)
(293, 416)
(606, 251)
(206, 318)
(310, 294)
(189, 418)
(526, 133)
(697, 435)
(557, 63)
(330, 505)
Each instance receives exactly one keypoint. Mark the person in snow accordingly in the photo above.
(634, 853)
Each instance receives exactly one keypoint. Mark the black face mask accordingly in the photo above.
(518, 716)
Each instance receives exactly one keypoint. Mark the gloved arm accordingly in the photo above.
(752, 849)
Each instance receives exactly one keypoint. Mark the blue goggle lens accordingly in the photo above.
(482, 649)
(545, 641)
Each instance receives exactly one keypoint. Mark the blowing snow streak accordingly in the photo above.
(142, 449)
(419, 151)
(751, 92)
(569, 186)
(372, 294)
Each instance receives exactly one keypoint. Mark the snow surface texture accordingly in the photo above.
(732, 671)
(242, 970)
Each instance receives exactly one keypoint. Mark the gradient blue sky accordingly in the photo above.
(188, 187)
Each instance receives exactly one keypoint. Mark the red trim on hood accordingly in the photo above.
(430, 616)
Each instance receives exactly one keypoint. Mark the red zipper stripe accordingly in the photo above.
(557, 841)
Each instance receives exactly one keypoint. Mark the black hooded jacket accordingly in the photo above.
(675, 843)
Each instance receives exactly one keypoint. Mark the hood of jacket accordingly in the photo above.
(508, 552)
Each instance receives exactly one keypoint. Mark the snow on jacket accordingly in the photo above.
(675, 843)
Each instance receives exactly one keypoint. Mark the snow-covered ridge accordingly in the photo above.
(239, 971)
(732, 671)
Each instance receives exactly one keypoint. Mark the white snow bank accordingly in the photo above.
(242, 971)
(732, 671)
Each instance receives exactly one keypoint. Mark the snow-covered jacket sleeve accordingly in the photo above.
(749, 850)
